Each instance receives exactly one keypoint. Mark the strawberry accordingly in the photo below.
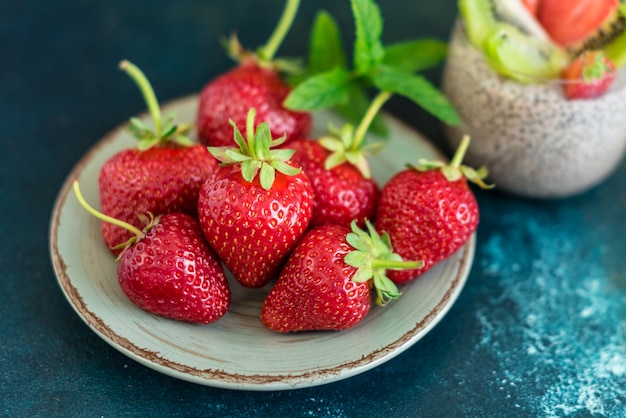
(326, 283)
(168, 268)
(255, 206)
(342, 192)
(256, 82)
(339, 171)
(248, 85)
(163, 174)
(571, 21)
(590, 75)
(532, 6)
(429, 211)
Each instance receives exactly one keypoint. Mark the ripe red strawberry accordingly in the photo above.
(168, 269)
(326, 283)
(342, 193)
(256, 82)
(532, 6)
(254, 208)
(429, 211)
(572, 21)
(249, 85)
(590, 75)
(163, 174)
(339, 171)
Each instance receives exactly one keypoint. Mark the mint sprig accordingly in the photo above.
(388, 68)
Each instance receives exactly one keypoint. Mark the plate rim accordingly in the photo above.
(222, 378)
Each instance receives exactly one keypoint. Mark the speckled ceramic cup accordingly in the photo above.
(534, 142)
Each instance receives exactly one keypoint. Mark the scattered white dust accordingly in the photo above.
(559, 308)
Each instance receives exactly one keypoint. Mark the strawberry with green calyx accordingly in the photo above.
(256, 82)
(256, 205)
(327, 280)
(168, 268)
(589, 76)
(163, 174)
(339, 171)
(429, 211)
(331, 83)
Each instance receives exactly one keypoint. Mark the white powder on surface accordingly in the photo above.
(563, 320)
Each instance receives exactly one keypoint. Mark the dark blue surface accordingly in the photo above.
(539, 330)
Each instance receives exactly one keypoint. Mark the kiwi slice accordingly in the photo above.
(616, 50)
(609, 33)
(479, 20)
(522, 57)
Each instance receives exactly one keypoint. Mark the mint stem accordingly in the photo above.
(372, 111)
(102, 216)
(460, 152)
(148, 93)
(268, 51)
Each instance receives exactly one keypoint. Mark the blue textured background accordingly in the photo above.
(539, 329)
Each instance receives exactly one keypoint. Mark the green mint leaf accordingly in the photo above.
(417, 89)
(326, 50)
(416, 55)
(368, 48)
(321, 91)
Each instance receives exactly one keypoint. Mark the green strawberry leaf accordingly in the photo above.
(415, 55)
(239, 139)
(321, 91)
(417, 89)
(254, 153)
(368, 48)
(137, 125)
(372, 257)
(282, 154)
(147, 142)
(262, 141)
(250, 168)
(326, 49)
(285, 168)
(267, 176)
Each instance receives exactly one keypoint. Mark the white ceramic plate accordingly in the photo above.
(237, 352)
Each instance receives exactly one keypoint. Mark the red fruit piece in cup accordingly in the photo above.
(572, 21)
(588, 76)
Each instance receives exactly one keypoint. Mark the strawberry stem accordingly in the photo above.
(457, 159)
(250, 132)
(268, 51)
(102, 216)
(148, 93)
(396, 265)
(372, 111)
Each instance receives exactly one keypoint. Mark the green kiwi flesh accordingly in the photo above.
(522, 57)
(507, 49)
